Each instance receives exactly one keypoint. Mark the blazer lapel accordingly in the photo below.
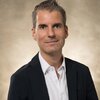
(71, 80)
(38, 84)
(38, 81)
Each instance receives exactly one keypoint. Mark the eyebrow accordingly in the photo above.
(60, 24)
(42, 25)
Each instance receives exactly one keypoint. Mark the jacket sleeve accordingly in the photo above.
(18, 89)
(91, 91)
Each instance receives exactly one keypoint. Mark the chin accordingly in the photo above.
(52, 52)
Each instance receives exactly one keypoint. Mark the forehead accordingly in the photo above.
(45, 16)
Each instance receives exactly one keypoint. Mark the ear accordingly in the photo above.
(33, 33)
(66, 31)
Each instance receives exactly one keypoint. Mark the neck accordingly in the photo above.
(53, 59)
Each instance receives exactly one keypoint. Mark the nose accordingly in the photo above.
(51, 32)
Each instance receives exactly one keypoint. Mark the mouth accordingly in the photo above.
(52, 41)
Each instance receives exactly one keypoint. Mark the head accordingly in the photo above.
(50, 5)
(49, 27)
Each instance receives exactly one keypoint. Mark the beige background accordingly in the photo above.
(17, 46)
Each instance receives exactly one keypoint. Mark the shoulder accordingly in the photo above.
(21, 73)
(26, 69)
(77, 66)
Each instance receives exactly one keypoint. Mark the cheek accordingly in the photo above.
(63, 35)
(40, 38)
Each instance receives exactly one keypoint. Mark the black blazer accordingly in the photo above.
(28, 83)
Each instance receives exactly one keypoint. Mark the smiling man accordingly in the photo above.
(50, 34)
(50, 75)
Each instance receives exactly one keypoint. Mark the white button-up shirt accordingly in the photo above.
(57, 87)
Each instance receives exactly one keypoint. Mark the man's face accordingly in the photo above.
(50, 32)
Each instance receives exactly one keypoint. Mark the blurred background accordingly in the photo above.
(17, 46)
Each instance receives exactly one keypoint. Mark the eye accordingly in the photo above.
(56, 26)
(42, 26)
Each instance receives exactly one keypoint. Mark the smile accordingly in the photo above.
(54, 41)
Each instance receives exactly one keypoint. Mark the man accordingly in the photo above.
(49, 75)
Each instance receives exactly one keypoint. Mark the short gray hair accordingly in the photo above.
(50, 5)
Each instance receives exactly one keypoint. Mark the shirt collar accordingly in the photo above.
(45, 66)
